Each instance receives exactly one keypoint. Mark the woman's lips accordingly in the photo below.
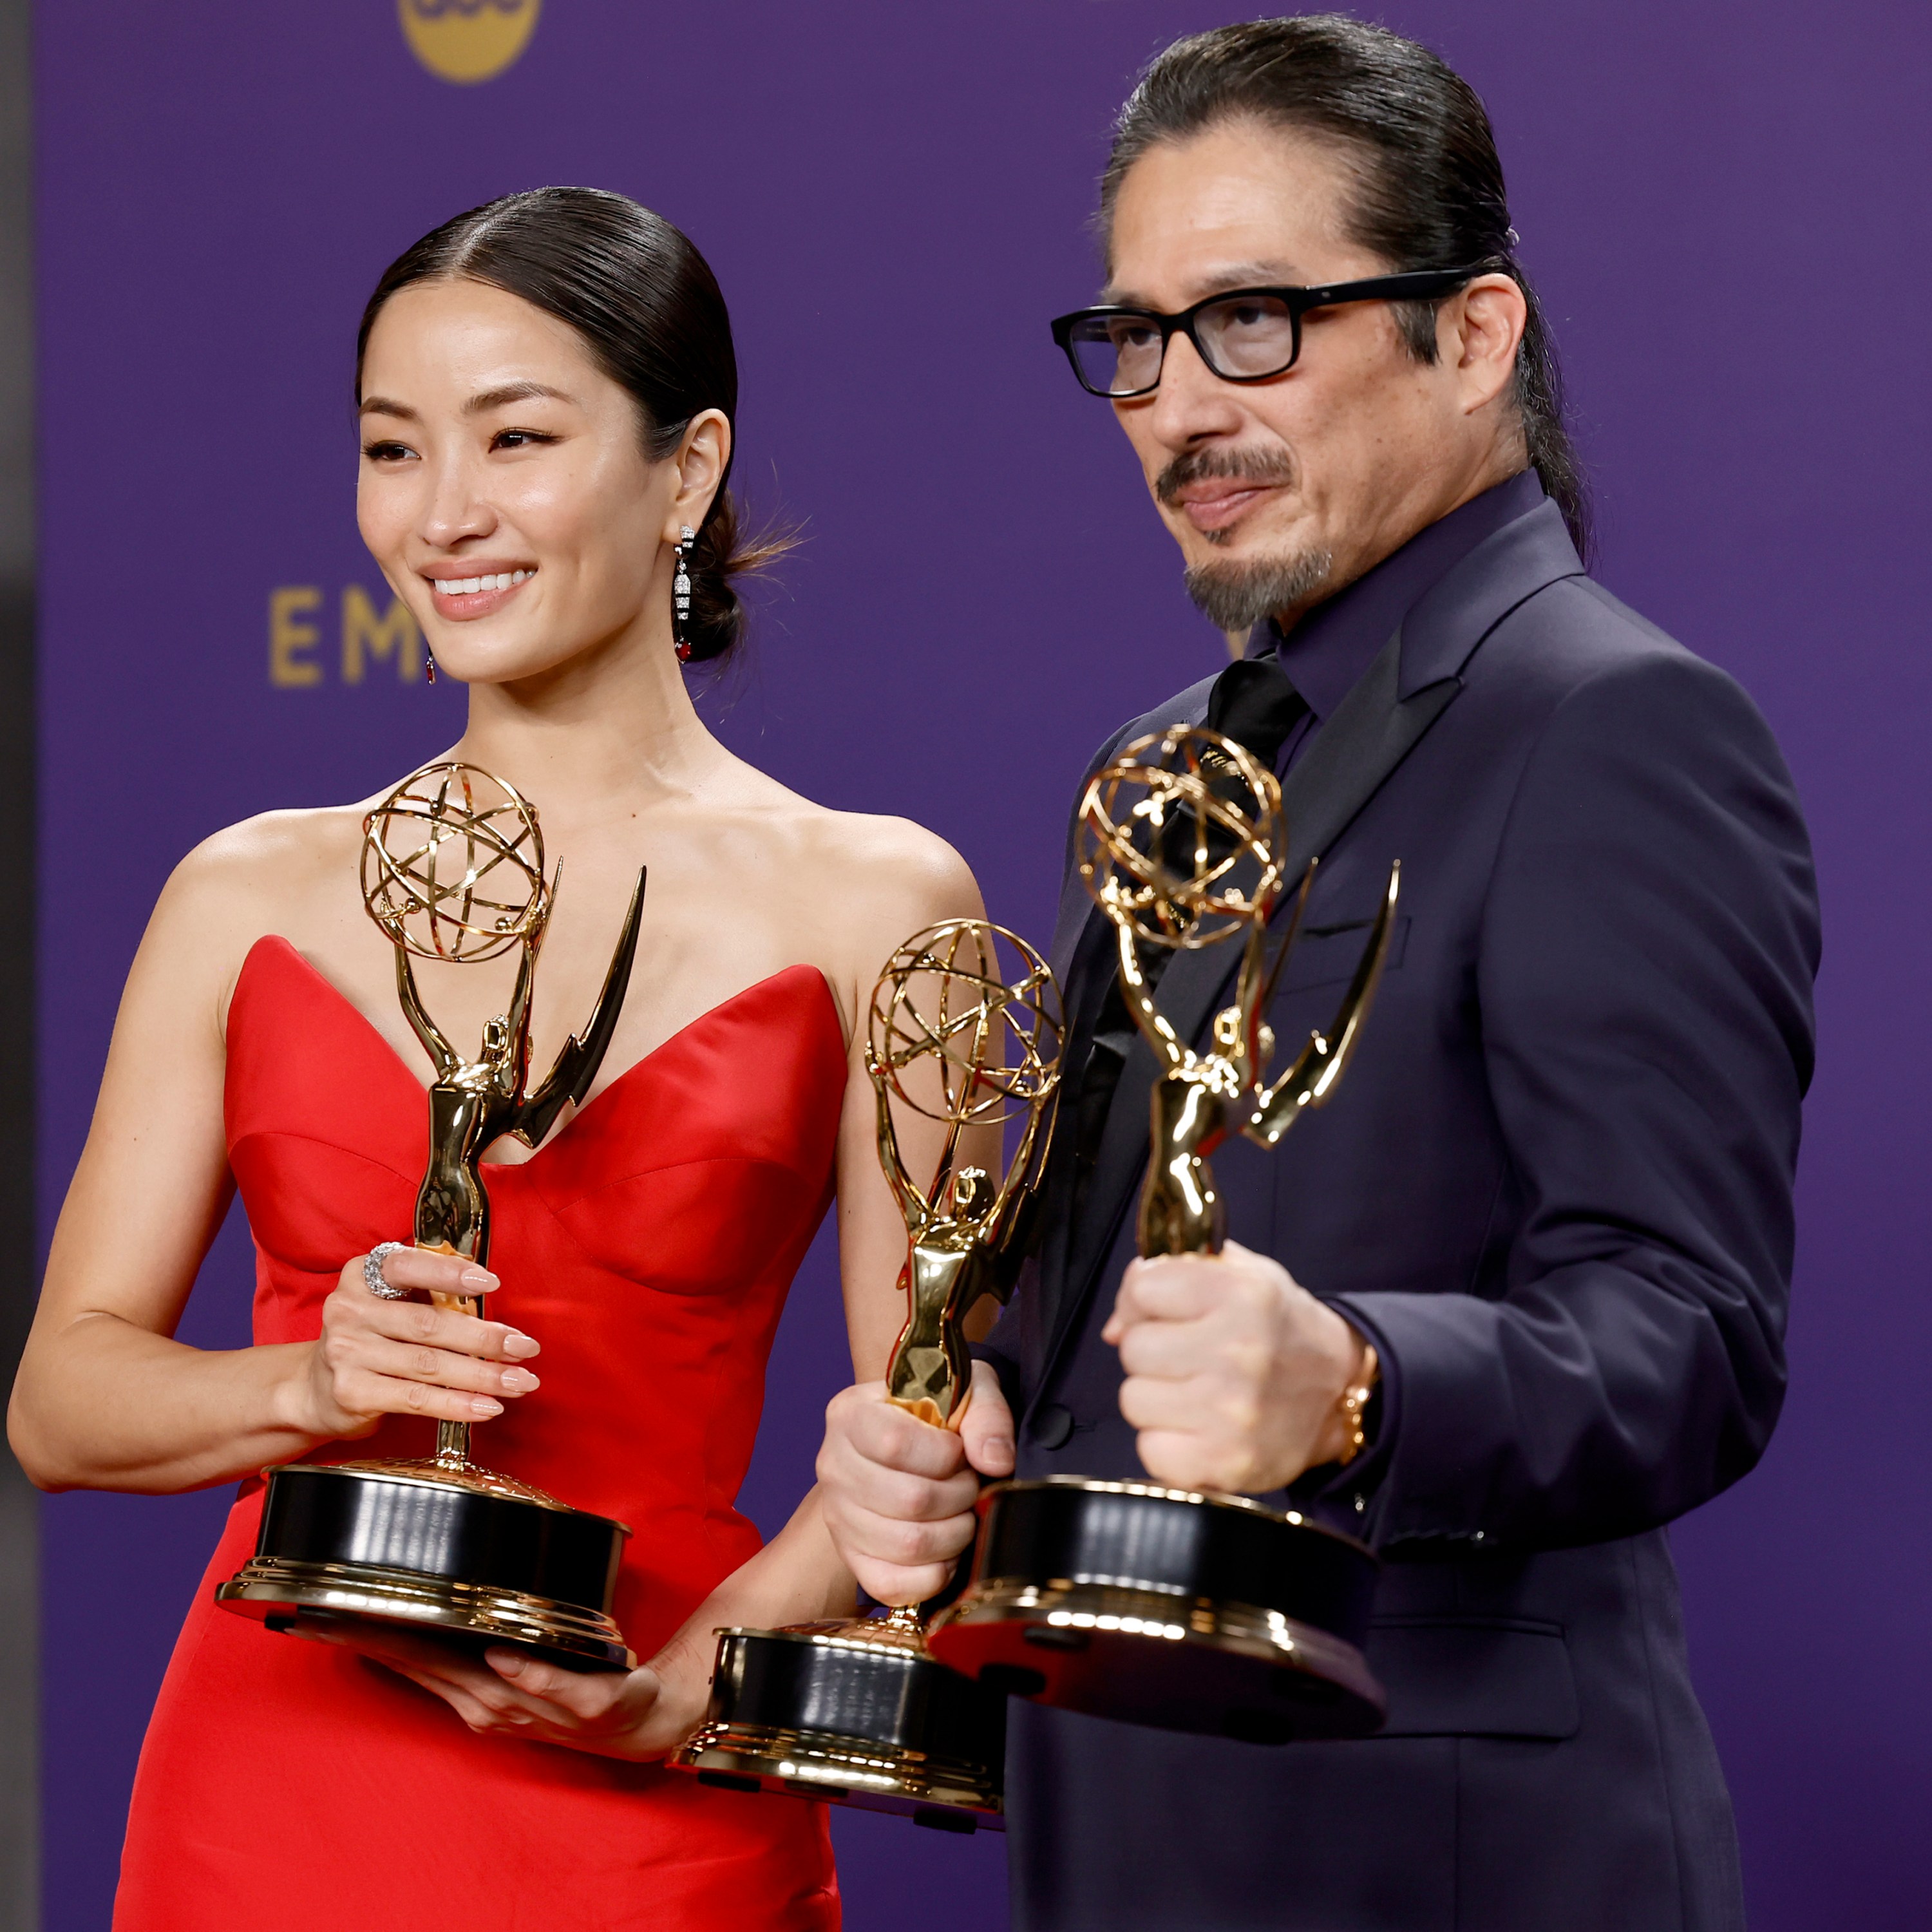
(479, 593)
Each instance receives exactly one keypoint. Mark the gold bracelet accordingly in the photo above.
(1354, 1403)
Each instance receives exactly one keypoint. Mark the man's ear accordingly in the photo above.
(1483, 330)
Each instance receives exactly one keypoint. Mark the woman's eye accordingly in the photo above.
(519, 439)
(385, 452)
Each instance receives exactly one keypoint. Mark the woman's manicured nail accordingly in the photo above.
(519, 1380)
(517, 1343)
(483, 1405)
(477, 1277)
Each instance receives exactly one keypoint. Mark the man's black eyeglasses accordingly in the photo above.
(1245, 336)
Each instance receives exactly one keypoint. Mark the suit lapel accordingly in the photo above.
(1370, 734)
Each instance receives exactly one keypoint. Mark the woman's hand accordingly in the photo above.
(897, 1494)
(377, 1357)
(637, 1714)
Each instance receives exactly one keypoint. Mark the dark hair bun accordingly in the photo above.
(651, 314)
(722, 554)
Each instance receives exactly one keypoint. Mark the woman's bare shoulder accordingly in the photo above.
(280, 872)
(874, 881)
(267, 859)
(874, 856)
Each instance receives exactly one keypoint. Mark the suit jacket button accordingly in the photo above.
(1053, 1425)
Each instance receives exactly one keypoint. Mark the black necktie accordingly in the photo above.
(1253, 703)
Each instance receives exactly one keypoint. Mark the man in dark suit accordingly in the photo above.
(1552, 1195)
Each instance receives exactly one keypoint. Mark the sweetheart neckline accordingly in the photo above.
(403, 1067)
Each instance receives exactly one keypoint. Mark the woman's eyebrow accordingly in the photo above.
(505, 393)
(514, 392)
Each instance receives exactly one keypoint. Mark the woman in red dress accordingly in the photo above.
(546, 387)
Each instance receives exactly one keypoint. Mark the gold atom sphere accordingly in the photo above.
(984, 1032)
(1168, 848)
(453, 865)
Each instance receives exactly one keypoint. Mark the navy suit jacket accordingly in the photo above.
(1554, 1189)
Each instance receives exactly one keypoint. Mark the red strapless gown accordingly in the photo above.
(649, 1247)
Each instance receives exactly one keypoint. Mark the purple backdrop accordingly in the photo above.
(1724, 204)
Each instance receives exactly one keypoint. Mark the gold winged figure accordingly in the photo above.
(1177, 857)
(954, 1036)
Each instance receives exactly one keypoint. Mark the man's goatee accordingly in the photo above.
(1237, 596)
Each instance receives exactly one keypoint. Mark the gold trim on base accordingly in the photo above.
(881, 1637)
(822, 1765)
(1160, 1492)
(1105, 1609)
(1223, 1499)
(410, 1598)
(471, 1478)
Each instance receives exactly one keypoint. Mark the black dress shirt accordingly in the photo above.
(1337, 641)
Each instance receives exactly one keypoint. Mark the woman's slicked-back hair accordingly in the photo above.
(649, 309)
(1428, 189)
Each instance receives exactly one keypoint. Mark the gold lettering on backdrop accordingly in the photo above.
(289, 636)
(467, 41)
(394, 634)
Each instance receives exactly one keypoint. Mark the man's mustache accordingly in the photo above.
(1266, 466)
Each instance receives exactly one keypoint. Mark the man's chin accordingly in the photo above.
(1235, 593)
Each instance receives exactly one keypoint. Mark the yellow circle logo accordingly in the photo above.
(468, 39)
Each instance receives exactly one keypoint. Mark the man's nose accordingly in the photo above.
(1192, 402)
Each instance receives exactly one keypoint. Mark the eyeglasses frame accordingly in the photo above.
(1416, 285)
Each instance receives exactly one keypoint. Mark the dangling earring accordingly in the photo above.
(432, 666)
(680, 596)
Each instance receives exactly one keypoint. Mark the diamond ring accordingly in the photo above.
(372, 1271)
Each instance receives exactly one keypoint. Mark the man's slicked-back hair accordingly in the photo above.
(1428, 190)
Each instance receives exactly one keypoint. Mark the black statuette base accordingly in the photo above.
(1188, 1612)
(449, 1558)
(820, 1713)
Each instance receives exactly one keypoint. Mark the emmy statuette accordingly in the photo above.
(858, 1712)
(1190, 1611)
(453, 870)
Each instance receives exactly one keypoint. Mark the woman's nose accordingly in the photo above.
(458, 508)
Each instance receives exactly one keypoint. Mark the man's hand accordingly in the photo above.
(1235, 1372)
(898, 1493)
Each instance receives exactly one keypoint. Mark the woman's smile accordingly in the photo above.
(474, 587)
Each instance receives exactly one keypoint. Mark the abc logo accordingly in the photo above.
(468, 39)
